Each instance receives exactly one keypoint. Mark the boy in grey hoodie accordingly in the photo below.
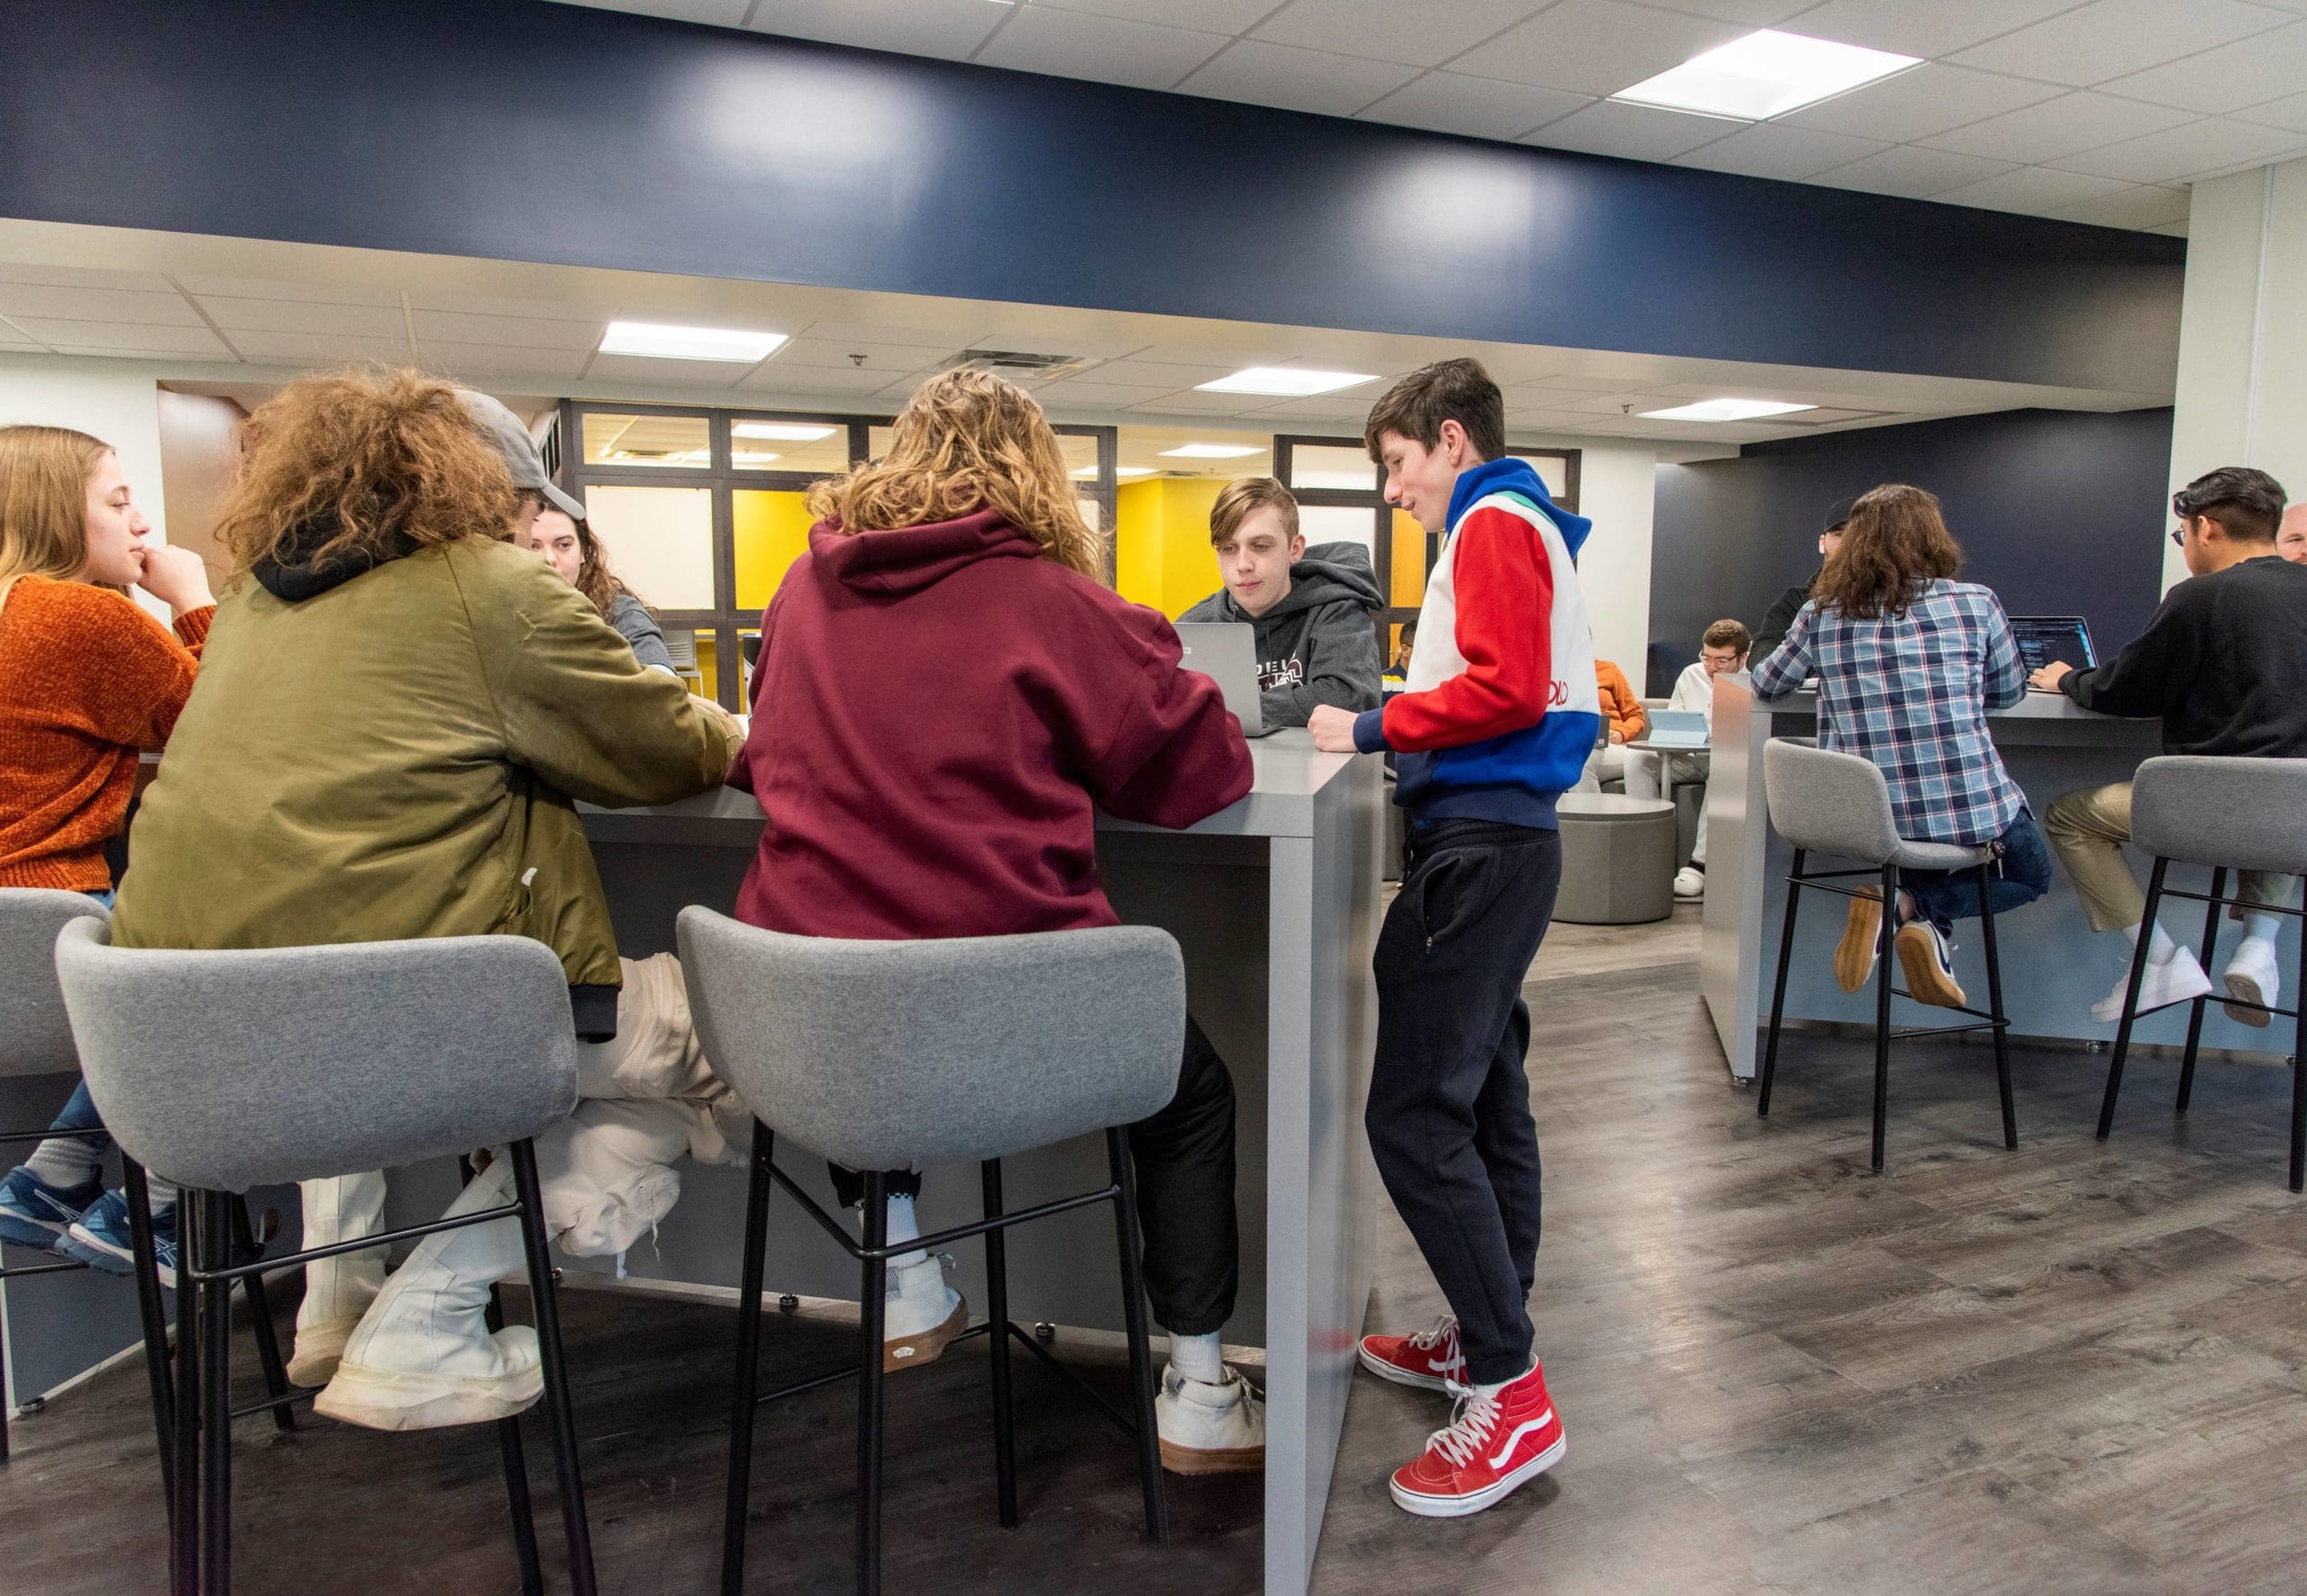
(1316, 642)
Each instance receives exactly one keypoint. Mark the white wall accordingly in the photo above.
(1617, 490)
(114, 400)
(2242, 384)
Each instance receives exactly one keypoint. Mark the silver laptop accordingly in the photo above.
(1227, 651)
(1676, 728)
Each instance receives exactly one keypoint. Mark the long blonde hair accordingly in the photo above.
(44, 473)
(968, 441)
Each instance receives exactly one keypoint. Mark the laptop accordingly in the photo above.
(1676, 728)
(2045, 639)
(1227, 651)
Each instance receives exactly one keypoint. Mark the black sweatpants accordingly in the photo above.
(1184, 1160)
(1449, 1115)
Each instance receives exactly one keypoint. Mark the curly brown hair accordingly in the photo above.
(1896, 544)
(386, 457)
(968, 441)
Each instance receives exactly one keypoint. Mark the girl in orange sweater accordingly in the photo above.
(87, 682)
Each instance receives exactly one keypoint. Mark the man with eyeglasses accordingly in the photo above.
(2224, 662)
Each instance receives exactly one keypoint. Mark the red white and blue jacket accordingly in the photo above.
(1502, 707)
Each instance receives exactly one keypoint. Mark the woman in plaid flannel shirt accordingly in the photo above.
(1909, 662)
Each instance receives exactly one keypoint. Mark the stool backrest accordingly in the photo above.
(881, 1054)
(228, 1070)
(35, 1036)
(1827, 802)
(2247, 813)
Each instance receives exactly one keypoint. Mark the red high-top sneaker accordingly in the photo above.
(1493, 1446)
(1430, 1359)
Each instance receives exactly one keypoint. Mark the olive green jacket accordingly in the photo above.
(394, 757)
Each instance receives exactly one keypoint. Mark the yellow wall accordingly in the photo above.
(1408, 588)
(772, 532)
(1161, 554)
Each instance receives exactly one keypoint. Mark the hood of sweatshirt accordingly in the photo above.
(296, 570)
(908, 559)
(1518, 478)
(1326, 573)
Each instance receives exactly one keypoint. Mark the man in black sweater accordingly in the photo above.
(2224, 662)
(1779, 619)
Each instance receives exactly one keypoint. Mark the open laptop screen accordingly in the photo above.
(2043, 639)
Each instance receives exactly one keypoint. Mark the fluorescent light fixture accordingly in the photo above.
(1725, 410)
(1292, 382)
(1766, 74)
(1089, 473)
(750, 457)
(1211, 452)
(782, 432)
(688, 343)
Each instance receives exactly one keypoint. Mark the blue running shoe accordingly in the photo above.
(101, 1239)
(35, 1213)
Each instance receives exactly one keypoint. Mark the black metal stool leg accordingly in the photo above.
(546, 1306)
(267, 1338)
(2130, 997)
(137, 1192)
(1778, 989)
(2299, 1066)
(742, 1414)
(511, 1454)
(1141, 1355)
(216, 1395)
(1994, 1010)
(871, 1320)
(997, 1302)
(184, 1431)
(2195, 1016)
(1883, 955)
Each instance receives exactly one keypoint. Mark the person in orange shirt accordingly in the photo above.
(87, 682)
(1624, 720)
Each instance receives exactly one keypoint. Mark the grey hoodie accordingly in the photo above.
(1318, 644)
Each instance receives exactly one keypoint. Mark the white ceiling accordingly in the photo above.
(224, 311)
(2098, 111)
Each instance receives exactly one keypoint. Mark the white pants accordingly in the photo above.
(1604, 764)
(1648, 771)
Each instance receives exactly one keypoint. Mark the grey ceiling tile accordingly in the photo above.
(2138, 208)
(1638, 132)
(1754, 14)
(84, 277)
(663, 373)
(1390, 31)
(2071, 122)
(719, 14)
(1768, 150)
(1284, 76)
(526, 331)
(2250, 71)
(2034, 189)
(895, 358)
(1918, 102)
(2211, 145)
(1198, 404)
(1478, 107)
(820, 379)
(501, 359)
(933, 338)
(202, 287)
(2109, 38)
(304, 316)
(947, 28)
(64, 303)
(2175, 230)
(1912, 172)
(74, 336)
(1074, 44)
(1922, 27)
(1210, 16)
(318, 349)
(2290, 112)
(1595, 47)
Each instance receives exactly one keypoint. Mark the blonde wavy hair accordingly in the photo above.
(968, 441)
(44, 472)
(381, 455)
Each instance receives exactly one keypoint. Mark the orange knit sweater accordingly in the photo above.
(87, 679)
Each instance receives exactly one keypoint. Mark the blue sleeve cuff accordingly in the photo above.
(1370, 731)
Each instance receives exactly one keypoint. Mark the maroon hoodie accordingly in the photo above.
(938, 712)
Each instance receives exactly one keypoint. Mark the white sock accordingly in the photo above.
(2261, 928)
(1492, 1391)
(66, 1161)
(2159, 947)
(1199, 1358)
(903, 1226)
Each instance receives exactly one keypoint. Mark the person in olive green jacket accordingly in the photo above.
(399, 705)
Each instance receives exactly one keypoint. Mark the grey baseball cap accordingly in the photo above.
(505, 430)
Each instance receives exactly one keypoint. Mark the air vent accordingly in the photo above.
(1016, 365)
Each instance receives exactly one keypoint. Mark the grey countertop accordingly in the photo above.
(2048, 719)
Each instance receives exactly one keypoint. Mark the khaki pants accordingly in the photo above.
(2088, 829)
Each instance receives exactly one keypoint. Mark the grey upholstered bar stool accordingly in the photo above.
(2230, 813)
(890, 1054)
(1838, 803)
(228, 1070)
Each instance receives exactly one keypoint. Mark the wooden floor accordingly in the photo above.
(2073, 1368)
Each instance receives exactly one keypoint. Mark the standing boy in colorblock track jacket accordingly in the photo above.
(1495, 725)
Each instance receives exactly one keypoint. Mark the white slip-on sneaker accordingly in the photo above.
(1690, 881)
(339, 1290)
(2252, 976)
(1209, 1429)
(921, 1314)
(2177, 979)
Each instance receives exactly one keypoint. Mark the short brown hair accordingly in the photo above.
(1896, 544)
(1728, 634)
(1457, 390)
(1247, 493)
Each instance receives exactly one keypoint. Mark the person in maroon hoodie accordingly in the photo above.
(946, 696)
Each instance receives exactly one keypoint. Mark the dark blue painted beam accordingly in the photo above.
(525, 130)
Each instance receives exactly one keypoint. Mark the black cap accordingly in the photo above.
(1839, 514)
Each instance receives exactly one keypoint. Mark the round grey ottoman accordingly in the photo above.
(1618, 859)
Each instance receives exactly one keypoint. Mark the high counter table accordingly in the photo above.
(2054, 968)
(1275, 903)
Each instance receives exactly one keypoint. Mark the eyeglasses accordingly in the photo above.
(2179, 536)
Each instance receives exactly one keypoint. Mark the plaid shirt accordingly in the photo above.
(1910, 693)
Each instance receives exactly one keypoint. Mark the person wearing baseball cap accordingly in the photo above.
(511, 439)
(1780, 620)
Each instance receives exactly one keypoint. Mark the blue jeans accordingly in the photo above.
(2020, 875)
(80, 1109)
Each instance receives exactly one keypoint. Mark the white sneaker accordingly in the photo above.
(1690, 881)
(2252, 976)
(339, 1290)
(1209, 1429)
(2177, 979)
(921, 1314)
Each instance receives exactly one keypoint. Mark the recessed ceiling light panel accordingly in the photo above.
(782, 432)
(1289, 382)
(1725, 410)
(1766, 74)
(688, 343)
(1211, 452)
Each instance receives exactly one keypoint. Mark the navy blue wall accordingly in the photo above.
(2060, 512)
(519, 129)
